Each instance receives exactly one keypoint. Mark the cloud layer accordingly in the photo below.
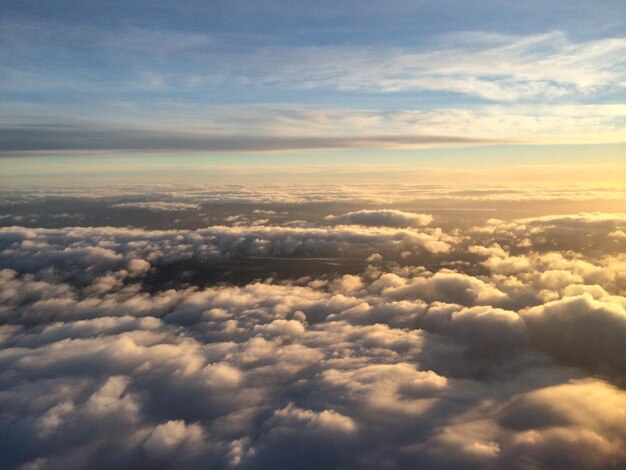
(487, 348)
(202, 91)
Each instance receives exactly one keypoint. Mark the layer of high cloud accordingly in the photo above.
(505, 350)
(546, 65)
(88, 136)
(265, 128)
(547, 88)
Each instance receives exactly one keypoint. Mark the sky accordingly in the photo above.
(312, 234)
(304, 79)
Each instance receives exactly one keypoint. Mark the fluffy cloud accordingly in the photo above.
(581, 330)
(386, 218)
(158, 206)
(96, 249)
(577, 424)
(469, 352)
(266, 196)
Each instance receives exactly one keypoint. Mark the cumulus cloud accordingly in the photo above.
(469, 352)
(102, 248)
(386, 218)
(173, 437)
(575, 424)
(450, 286)
(158, 206)
(619, 234)
(580, 330)
(290, 193)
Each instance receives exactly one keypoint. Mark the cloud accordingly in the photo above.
(619, 234)
(546, 88)
(580, 330)
(173, 437)
(292, 193)
(545, 65)
(515, 355)
(158, 206)
(486, 330)
(98, 249)
(449, 286)
(569, 424)
(326, 421)
(110, 137)
(578, 411)
(576, 220)
(247, 128)
(384, 218)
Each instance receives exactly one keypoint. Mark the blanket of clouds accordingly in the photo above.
(337, 336)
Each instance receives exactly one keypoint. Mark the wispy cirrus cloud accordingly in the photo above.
(483, 64)
(534, 88)
(494, 67)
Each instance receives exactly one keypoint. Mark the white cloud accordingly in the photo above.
(485, 365)
(511, 68)
(580, 330)
(382, 218)
(169, 437)
(158, 206)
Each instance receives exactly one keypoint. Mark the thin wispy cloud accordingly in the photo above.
(498, 68)
(491, 66)
(536, 88)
